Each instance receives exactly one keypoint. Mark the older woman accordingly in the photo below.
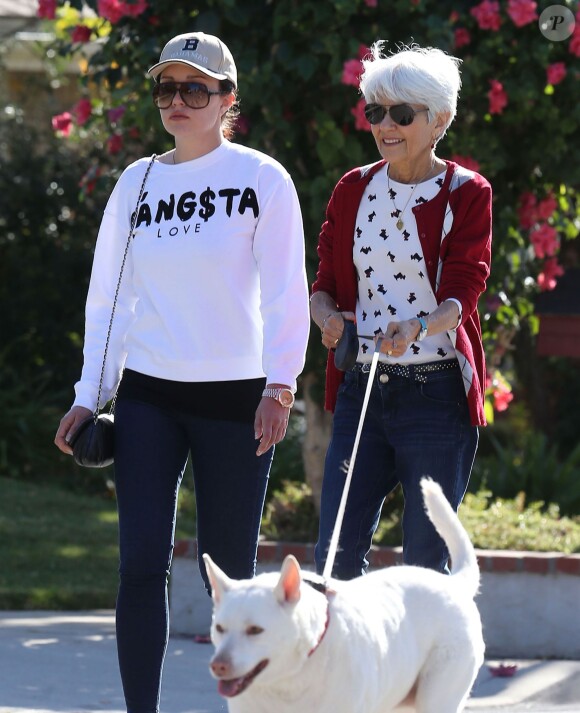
(404, 253)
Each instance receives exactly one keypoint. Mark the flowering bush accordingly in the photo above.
(299, 65)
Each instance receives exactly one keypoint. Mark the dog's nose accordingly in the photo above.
(220, 668)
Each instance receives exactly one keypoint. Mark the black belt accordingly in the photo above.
(417, 372)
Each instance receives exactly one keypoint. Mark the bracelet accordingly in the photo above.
(422, 333)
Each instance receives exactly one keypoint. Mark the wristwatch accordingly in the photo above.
(282, 396)
(422, 330)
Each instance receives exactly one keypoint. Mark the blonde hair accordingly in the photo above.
(413, 75)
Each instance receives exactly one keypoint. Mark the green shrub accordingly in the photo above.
(531, 464)
(290, 514)
(492, 523)
(502, 524)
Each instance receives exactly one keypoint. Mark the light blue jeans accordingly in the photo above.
(411, 430)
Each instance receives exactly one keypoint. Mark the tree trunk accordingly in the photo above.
(317, 436)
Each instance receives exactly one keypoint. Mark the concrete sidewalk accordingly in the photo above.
(61, 662)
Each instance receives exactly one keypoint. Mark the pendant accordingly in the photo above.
(400, 225)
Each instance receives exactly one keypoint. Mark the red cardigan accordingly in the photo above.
(465, 252)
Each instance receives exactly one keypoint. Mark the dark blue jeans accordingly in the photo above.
(411, 430)
(151, 450)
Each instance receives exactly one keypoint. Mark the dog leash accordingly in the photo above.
(327, 572)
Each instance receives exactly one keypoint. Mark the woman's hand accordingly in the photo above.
(270, 423)
(332, 327)
(68, 425)
(398, 336)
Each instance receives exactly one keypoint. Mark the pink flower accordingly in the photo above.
(81, 34)
(497, 96)
(115, 10)
(555, 73)
(547, 207)
(502, 399)
(82, 111)
(372, 3)
(462, 37)
(111, 10)
(116, 114)
(575, 41)
(46, 9)
(360, 120)
(500, 390)
(62, 123)
(545, 240)
(89, 180)
(363, 51)
(547, 278)
(487, 15)
(134, 9)
(351, 71)
(522, 12)
(466, 162)
(527, 210)
(503, 670)
(114, 144)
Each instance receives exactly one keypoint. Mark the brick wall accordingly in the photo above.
(500, 561)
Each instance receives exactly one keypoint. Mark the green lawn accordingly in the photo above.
(58, 550)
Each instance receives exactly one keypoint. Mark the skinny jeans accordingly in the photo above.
(152, 445)
(412, 429)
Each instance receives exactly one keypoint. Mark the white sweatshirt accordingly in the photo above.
(214, 286)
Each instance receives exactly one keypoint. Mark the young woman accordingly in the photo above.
(208, 338)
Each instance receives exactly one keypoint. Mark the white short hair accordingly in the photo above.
(413, 75)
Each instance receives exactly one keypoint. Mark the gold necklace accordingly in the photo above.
(400, 224)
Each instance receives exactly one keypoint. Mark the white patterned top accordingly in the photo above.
(393, 282)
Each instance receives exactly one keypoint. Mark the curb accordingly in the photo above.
(528, 601)
(500, 561)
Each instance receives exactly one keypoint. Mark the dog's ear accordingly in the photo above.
(288, 587)
(220, 582)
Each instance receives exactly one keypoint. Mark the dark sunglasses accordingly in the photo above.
(193, 94)
(401, 114)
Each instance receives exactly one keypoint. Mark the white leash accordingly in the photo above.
(327, 573)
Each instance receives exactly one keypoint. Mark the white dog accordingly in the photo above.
(402, 636)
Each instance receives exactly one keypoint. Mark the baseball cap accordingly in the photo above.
(204, 52)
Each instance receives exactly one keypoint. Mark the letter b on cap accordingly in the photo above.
(190, 44)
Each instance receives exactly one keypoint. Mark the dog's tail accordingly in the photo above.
(448, 525)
